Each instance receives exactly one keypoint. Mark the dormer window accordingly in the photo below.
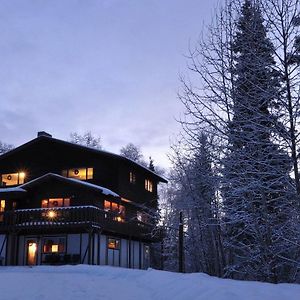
(79, 173)
(12, 178)
(148, 185)
(132, 178)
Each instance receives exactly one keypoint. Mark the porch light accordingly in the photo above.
(22, 175)
(51, 214)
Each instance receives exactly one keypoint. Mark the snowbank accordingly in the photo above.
(100, 282)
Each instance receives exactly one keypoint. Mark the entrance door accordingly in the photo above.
(32, 248)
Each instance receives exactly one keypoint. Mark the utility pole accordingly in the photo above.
(180, 244)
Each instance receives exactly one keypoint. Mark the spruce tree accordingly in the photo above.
(257, 194)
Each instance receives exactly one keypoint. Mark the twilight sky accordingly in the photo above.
(109, 66)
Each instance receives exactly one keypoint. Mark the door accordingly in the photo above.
(32, 249)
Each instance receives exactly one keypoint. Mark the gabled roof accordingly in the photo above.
(11, 191)
(71, 181)
(83, 148)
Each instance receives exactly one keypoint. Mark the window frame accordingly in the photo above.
(45, 238)
(149, 185)
(120, 211)
(132, 177)
(117, 242)
(20, 178)
(63, 201)
(89, 173)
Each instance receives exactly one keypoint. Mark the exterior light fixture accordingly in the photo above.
(22, 174)
(51, 214)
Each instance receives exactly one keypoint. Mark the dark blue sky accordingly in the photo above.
(109, 66)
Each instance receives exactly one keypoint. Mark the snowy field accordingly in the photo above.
(94, 282)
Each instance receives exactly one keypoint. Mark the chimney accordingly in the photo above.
(44, 133)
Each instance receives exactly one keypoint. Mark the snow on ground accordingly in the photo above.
(84, 282)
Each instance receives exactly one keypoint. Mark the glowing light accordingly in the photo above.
(22, 174)
(54, 248)
(119, 219)
(51, 214)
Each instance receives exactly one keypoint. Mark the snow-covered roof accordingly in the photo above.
(12, 190)
(43, 137)
(101, 189)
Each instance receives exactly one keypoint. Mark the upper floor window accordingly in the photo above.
(115, 208)
(55, 202)
(132, 178)
(148, 185)
(79, 173)
(12, 178)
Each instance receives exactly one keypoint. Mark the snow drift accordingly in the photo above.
(84, 282)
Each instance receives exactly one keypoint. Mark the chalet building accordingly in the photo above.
(62, 203)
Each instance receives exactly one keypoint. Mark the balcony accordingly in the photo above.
(71, 218)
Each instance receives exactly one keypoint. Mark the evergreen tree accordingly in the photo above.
(257, 194)
(151, 164)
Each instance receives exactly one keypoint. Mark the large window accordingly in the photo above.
(54, 245)
(116, 208)
(79, 173)
(12, 178)
(55, 202)
(148, 185)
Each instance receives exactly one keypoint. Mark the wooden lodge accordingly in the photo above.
(62, 203)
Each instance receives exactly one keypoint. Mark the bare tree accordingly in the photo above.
(5, 147)
(87, 139)
(134, 153)
(283, 22)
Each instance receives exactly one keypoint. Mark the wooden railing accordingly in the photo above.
(72, 217)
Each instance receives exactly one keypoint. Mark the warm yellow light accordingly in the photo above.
(22, 174)
(54, 248)
(119, 219)
(2, 206)
(51, 214)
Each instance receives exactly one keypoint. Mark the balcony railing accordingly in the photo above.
(72, 217)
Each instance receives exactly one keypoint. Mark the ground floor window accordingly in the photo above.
(113, 244)
(2, 209)
(113, 251)
(54, 245)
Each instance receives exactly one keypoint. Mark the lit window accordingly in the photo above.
(54, 245)
(113, 244)
(2, 208)
(2, 205)
(132, 178)
(55, 202)
(148, 185)
(12, 178)
(115, 208)
(79, 173)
